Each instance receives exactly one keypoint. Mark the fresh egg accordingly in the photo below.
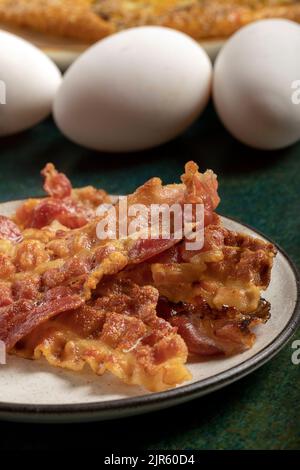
(134, 90)
(254, 83)
(28, 83)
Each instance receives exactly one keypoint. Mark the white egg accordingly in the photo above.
(28, 83)
(134, 90)
(254, 76)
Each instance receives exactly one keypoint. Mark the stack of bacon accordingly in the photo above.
(133, 306)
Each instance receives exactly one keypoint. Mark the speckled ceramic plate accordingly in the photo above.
(35, 391)
(64, 51)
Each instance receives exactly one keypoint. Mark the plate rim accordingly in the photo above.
(143, 403)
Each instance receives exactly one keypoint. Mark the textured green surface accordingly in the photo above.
(261, 411)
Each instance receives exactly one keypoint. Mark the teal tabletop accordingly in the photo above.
(261, 411)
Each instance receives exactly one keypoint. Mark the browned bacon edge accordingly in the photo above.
(209, 332)
(21, 317)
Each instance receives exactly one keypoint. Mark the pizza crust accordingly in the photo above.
(69, 18)
(214, 20)
(89, 20)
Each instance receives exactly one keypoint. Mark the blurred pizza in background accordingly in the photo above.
(91, 20)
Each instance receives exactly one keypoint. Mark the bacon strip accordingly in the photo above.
(21, 317)
(9, 230)
(202, 188)
(56, 184)
(65, 211)
(119, 332)
(209, 332)
(230, 269)
(73, 208)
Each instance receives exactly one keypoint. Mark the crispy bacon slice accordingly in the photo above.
(22, 316)
(144, 249)
(73, 208)
(231, 269)
(211, 332)
(136, 250)
(65, 211)
(41, 213)
(196, 188)
(9, 230)
(117, 332)
(202, 188)
(56, 184)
